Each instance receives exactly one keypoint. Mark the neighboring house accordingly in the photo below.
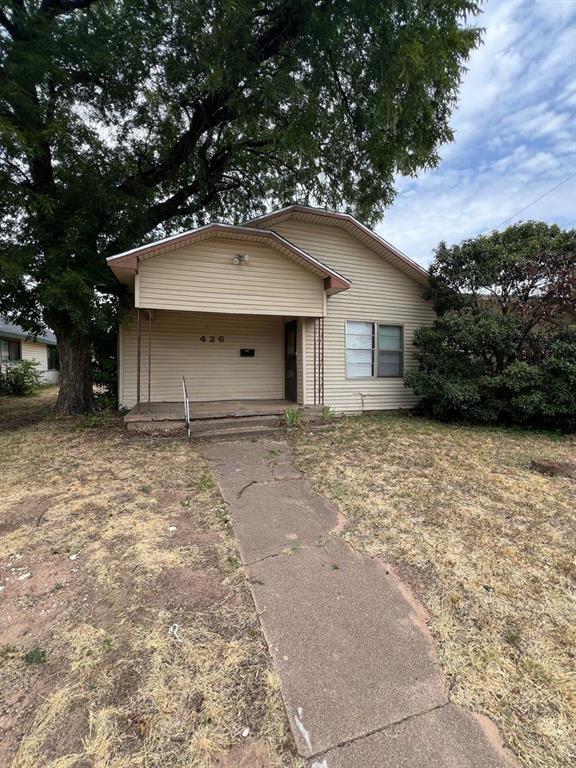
(16, 344)
(300, 304)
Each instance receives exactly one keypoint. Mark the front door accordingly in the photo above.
(290, 358)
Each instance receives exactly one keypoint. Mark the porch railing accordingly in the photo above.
(186, 406)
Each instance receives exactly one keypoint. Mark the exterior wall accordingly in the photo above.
(202, 278)
(380, 293)
(38, 352)
(213, 371)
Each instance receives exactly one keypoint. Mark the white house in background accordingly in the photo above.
(298, 306)
(16, 344)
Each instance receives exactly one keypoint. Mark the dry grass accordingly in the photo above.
(487, 544)
(123, 539)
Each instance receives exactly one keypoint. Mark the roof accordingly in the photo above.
(127, 263)
(347, 222)
(16, 332)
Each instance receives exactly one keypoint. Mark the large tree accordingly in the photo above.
(121, 120)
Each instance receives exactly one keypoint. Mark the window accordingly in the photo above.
(9, 350)
(374, 350)
(53, 364)
(359, 350)
(390, 350)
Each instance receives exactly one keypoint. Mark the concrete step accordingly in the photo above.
(208, 425)
(236, 432)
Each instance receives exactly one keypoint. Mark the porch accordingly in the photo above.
(215, 416)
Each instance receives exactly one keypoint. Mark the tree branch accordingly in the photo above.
(7, 24)
(53, 8)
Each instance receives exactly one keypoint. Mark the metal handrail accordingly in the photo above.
(186, 405)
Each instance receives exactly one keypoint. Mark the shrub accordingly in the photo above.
(21, 377)
(503, 348)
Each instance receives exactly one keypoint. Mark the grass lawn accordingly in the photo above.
(104, 545)
(489, 547)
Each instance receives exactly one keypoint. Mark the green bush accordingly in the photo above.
(467, 374)
(21, 377)
(503, 347)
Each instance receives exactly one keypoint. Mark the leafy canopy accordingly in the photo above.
(503, 348)
(126, 119)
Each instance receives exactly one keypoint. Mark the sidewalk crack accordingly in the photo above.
(383, 728)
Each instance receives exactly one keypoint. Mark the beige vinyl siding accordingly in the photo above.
(37, 352)
(203, 278)
(380, 293)
(213, 371)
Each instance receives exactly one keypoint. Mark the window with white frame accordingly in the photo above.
(374, 350)
(9, 350)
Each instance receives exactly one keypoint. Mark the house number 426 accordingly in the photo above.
(212, 339)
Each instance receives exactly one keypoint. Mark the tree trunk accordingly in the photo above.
(76, 393)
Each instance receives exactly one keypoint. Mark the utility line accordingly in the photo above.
(535, 201)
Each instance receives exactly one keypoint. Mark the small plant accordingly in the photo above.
(21, 377)
(273, 453)
(146, 489)
(35, 656)
(293, 417)
(328, 413)
(204, 483)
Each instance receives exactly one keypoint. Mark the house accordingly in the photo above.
(300, 305)
(16, 344)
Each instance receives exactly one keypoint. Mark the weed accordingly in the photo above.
(293, 417)
(328, 413)
(35, 656)
(205, 483)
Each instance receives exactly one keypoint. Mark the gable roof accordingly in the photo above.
(16, 332)
(128, 262)
(351, 225)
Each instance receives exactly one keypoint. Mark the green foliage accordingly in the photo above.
(503, 349)
(127, 120)
(292, 417)
(328, 413)
(20, 377)
(35, 656)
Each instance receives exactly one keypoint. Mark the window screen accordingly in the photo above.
(390, 350)
(359, 350)
(9, 350)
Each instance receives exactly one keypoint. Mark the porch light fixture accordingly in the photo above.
(241, 258)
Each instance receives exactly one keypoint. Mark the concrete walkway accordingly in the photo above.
(358, 672)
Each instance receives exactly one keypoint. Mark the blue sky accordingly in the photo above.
(515, 131)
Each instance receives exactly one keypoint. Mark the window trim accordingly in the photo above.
(9, 341)
(54, 356)
(375, 350)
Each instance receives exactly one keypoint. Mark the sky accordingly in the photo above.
(515, 128)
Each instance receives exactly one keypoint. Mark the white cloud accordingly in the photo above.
(515, 134)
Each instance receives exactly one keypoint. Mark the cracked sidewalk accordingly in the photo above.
(359, 674)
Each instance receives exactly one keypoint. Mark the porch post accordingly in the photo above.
(138, 355)
(321, 352)
(149, 352)
(315, 322)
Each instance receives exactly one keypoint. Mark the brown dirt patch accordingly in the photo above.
(103, 548)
